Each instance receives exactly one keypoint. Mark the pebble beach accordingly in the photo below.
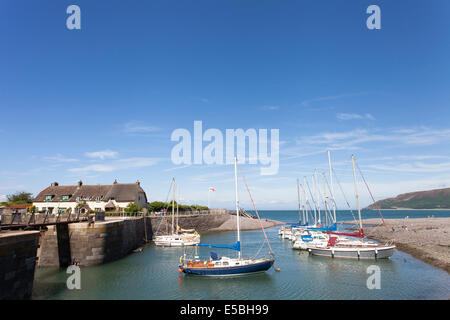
(427, 239)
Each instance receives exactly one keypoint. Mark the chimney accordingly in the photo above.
(55, 184)
(138, 183)
(115, 181)
(80, 183)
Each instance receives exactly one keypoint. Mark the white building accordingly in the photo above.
(117, 196)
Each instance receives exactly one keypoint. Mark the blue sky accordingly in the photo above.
(100, 103)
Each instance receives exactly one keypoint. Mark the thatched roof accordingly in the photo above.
(121, 192)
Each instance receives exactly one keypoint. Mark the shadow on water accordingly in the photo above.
(48, 282)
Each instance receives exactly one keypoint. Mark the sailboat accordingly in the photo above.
(175, 239)
(294, 230)
(226, 266)
(357, 249)
(305, 233)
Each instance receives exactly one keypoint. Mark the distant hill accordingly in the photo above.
(431, 199)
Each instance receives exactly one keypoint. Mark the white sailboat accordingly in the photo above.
(354, 249)
(176, 239)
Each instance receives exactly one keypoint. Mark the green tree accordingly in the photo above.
(132, 208)
(20, 198)
(156, 206)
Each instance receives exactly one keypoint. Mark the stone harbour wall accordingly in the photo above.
(92, 245)
(200, 222)
(18, 252)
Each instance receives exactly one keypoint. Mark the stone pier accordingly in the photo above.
(85, 245)
(18, 250)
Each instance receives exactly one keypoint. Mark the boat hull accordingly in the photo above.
(230, 271)
(352, 253)
(176, 241)
(174, 244)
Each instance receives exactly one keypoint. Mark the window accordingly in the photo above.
(65, 197)
(48, 198)
(98, 198)
(98, 209)
(61, 210)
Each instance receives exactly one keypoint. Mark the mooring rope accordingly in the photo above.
(257, 214)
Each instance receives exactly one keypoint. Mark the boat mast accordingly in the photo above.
(178, 200)
(356, 192)
(314, 201)
(306, 199)
(325, 196)
(237, 205)
(303, 204)
(316, 189)
(300, 218)
(173, 203)
(331, 186)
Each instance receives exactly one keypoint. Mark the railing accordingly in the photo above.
(23, 220)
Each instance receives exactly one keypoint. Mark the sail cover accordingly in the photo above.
(333, 227)
(236, 246)
(359, 234)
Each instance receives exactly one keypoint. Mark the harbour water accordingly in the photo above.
(153, 273)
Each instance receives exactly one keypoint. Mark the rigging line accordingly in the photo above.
(345, 198)
(308, 212)
(312, 198)
(262, 245)
(332, 200)
(367, 186)
(254, 207)
(165, 204)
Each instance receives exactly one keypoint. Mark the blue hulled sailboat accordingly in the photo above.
(226, 266)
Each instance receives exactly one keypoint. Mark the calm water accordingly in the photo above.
(152, 273)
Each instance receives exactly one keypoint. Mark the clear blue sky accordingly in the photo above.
(100, 103)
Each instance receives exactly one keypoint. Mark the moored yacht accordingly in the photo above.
(176, 239)
(352, 249)
(226, 266)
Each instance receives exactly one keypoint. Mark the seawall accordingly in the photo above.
(218, 222)
(18, 250)
(85, 245)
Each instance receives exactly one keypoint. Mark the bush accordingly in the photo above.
(158, 206)
(132, 207)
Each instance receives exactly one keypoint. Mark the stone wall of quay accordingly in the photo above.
(92, 245)
(18, 252)
(200, 222)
